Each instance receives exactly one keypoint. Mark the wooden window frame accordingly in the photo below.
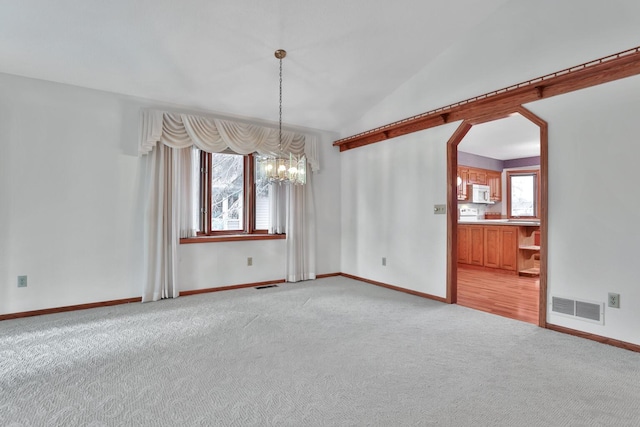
(249, 195)
(536, 202)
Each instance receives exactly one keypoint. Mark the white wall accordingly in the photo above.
(594, 146)
(388, 193)
(5, 162)
(69, 217)
(71, 212)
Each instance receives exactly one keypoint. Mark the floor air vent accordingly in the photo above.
(266, 286)
(578, 309)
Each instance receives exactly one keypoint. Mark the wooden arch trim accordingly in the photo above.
(592, 73)
(452, 202)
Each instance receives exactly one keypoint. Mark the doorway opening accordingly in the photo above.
(497, 238)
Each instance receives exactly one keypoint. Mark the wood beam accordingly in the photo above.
(603, 70)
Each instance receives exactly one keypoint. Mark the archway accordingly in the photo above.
(452, 220)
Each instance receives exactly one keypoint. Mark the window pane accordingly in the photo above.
(523, 195)
(263, 200)
(227, 195)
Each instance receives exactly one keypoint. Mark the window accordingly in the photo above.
(231, 202)
(523, 193)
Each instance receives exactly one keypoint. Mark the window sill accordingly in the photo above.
(232, 238)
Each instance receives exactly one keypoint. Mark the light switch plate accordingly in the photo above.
(439, 209)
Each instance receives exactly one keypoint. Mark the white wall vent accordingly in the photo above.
(563, 306)
(578, 309)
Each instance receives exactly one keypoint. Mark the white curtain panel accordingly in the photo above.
(161, 228)
(301, 233)
(189, 182)
(278, 208)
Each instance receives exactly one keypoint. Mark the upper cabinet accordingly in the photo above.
(477, 176)
(463, 183)
(468, 175)
(494, 180)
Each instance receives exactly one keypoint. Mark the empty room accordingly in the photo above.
(287, 213)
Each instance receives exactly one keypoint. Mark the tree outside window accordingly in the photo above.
(227, 191)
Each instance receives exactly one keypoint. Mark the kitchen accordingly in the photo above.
(498, 192)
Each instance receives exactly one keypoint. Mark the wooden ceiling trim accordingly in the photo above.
(599, 71)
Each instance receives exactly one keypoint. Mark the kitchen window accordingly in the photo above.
(523, 193)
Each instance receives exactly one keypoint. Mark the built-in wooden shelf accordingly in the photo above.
(531, 272)
(530, 247)
(528, 251)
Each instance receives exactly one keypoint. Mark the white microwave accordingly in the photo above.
(480, 193)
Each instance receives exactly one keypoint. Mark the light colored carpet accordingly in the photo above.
(322, 353)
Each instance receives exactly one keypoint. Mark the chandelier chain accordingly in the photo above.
(280, 112)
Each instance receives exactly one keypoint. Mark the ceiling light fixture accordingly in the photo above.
(282, 167)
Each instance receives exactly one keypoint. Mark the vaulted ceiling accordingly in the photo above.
(351, 64)
(217, 55)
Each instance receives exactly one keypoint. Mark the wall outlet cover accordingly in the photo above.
(22, 281)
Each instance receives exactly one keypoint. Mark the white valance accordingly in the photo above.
(215, 135)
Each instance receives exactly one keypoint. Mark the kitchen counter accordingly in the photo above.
(513, 222)
(512, 245)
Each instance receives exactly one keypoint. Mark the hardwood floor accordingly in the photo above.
(502, 294)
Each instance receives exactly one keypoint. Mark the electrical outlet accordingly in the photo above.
(22, 281)
(384, 261)
(614, 300)
(250, 261)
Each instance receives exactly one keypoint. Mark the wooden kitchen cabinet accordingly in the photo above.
(470, 175)
(471, 244)
(492, 247)
(509, 248)
(464, 243)
(476, 240)
(477, 176)
(494, 180)
(501, 247)
(463, 174)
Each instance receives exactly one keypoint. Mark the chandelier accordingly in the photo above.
(282, 167)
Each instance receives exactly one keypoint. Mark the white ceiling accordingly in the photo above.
(217, 55)
(511, 138)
